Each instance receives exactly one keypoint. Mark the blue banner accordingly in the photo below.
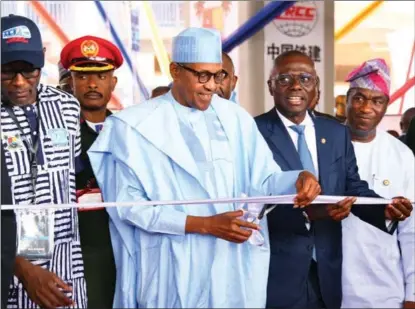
(122, 49)
(135, 29)
(255, 23)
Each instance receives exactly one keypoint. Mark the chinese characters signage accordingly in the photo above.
(313, 51)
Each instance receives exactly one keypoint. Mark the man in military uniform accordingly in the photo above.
(92, 61)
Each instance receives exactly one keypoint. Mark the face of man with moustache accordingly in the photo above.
(93, 89)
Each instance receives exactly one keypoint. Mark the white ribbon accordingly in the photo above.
(279, 199)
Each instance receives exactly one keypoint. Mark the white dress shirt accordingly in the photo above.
(93, 125)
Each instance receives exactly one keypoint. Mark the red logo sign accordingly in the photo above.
(298, 20)
(299, 13)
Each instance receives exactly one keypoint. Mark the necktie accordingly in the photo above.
(98, 127)
(33, 121)
(305, 157)
(303, 151)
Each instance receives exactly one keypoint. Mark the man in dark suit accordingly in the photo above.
(8, 233)
(92, 82)
(306, 247)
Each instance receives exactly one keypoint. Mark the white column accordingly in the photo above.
(20, 7)
(326, 104)
(251, 63)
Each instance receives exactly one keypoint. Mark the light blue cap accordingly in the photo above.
(197, 45)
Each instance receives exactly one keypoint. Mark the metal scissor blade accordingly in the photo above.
(266, 210)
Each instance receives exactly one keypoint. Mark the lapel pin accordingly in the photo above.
(323, 140)
(386, 182)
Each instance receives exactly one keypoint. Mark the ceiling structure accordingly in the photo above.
(370, 38)
(388, 33)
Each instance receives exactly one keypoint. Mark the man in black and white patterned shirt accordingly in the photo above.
(40, 135)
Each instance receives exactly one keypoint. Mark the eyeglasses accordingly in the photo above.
(204, 76)
(27, 73)
(287, 80)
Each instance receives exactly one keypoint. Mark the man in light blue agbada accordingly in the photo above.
(189, 144)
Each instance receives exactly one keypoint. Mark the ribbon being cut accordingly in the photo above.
(280, 199)
(254, 208)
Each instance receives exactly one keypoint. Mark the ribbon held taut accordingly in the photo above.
(278, 199)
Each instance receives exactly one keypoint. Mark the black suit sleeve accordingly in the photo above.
(286, 219)
(372, 214)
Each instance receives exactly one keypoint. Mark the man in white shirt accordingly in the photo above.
(378, 267)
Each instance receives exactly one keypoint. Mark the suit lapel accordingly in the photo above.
(168, 138)
(282, 141)
(323, 152)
